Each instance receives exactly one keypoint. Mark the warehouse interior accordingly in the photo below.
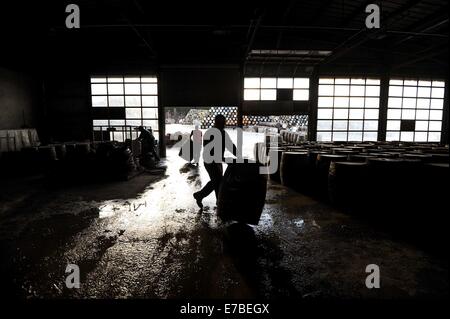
(354, 121)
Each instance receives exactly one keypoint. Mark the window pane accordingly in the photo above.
(410, 91)
(150, 89)
(372, 102)
(396, 82)
(357, 102)
(434, 137)
(409, 103)
(116, 101)
(424, 83)
(341, 90)
(373, 82)
(358, 81)
(133, 113)
(132, 79)
(422, 114)
(268, 95)
(370, 136)
(100, 122)
(325, 114)
(357, 114)
(98, 89)
(437, 104)
(355, 136)
(301, 83)
(115, 88)
(251, 95)
(324, 136)
(408, 114)
(269, 83)
(340, 136)
(392, 136)
(99, 101)
(372, 91)
(439, 84)
(150, 113)
(371, 125)
(371, 114)
(438, 92)
(149, 101)
(355, 125)
(424, 92)
(117, 122)
(435, 126)
(134, 122)
(98, 80)
(410, 82)
(421, 125)
(435, 115)
(341, 114)
(395, 91)
(326, 90)
(423, 103)
(153, 124)
(325, 102)
(132, 100)
(407, 136)
(420, 137)
(149, 80)
(251, 83)
(324, 125)
(393, 125)
(115, 79)
(301, 95)
(357, 90)
(395, 102)
(341, 81)
(394, 114)
(341, 102)
(132, 89)
(285, 83)
(326, 81)
(340, 125)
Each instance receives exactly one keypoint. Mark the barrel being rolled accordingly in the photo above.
(242, 193)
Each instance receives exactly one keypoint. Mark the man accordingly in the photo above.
(148, 141)
(214, 167)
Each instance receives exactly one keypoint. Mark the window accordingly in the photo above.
(121, 103)
(273, 89)
(348, 109)
(415, 110)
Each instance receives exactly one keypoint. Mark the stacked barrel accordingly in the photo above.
(400, 183)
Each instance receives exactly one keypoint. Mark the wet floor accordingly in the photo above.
(146, 238)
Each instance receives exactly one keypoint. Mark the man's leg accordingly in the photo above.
(215, 174)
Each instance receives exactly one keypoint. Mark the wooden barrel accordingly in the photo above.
(292, 167)
(345, 180)
(276, 153)
(362, 158)
(70, 150)
(82, 149)
(61, 151)
(47, 153)
(323, 166)
(242, 193)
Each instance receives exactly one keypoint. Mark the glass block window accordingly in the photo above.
(273, 89)
(121, 103)
(348, 109)
(415, 110)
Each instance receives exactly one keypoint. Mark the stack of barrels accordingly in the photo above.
(396, 180)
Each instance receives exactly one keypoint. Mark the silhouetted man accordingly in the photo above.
(148, 141)
(214, 167)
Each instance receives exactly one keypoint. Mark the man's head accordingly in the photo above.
(219, 121)
(140, 128)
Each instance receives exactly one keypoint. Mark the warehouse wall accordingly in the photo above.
(19, 100)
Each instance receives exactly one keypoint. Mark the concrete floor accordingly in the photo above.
(146, 238)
